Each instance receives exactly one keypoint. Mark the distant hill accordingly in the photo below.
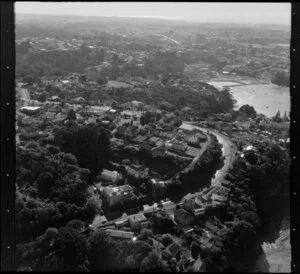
(22, 17)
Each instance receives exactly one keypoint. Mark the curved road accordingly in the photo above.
(228, 150)
(170, 39)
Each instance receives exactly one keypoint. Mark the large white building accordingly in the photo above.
(111, 176)
(115, 195)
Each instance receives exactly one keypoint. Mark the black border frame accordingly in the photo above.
(8, 145)
(294, 83)
(7, 136)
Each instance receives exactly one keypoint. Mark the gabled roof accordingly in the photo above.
(137, 217)
(120, 234)
(173, 249)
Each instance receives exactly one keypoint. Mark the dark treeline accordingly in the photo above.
(257, 183)
(52, 191)
(37, 64)
(281, 78)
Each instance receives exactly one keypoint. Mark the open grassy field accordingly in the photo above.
(266, 99)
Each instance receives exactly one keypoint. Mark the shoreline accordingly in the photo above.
(266, 98)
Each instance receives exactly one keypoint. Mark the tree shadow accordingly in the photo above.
(262, 265)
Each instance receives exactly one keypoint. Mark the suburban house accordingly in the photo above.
(55, 98)
(199, 212)
(122, 221)
(211, 227)
(153, 140)
(183, 218)
(119, 234)
(193, 141)
(217, 198)
(157, 151)
(176, 146)
(136, 173)
(110, 176)
(189, 205)
(79, 100)
(150, 209)
(138, 221)
(115, 195)
(30, 110)
(173, 249)
(99, 220)
(132, 173)
(139, 139)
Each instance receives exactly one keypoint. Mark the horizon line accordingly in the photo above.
(154, 17)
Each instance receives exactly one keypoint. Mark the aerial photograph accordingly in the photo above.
(152, 136)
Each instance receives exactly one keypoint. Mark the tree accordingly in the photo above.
(281, 78)
(69, 158)
(28, 80)
(102, 252)
(43, 96)
(162, 223)
(82, 78)
(167, 239)
(252, 218)
(72, 247)
(175, 188)
(76, 224)
(145, 118)
(181, 102)
(153, 263)
(102, 81)
(90, 145)
(23, 47)
(248, 110)
(48, 88)
(44, 183)
(71, 115)
(101, 55)
(285, 117)
(145, 234)
(167, 106)
(195, 250)
(178, 123)
(115, 59)
(277, 118)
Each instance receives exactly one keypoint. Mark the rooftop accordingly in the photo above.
(120, 234)
(174, 249)
(119, 190)
(29, 108)
(108, 174)
(137, 217)
(148, 208)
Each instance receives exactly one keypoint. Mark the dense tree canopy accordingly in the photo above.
(153, 263)
(281, 78)
(90, 145)
(248, 110)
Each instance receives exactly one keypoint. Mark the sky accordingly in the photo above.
(246, 13)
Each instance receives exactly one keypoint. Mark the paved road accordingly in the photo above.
(168, 38)
(199, 154)
(228, 150)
